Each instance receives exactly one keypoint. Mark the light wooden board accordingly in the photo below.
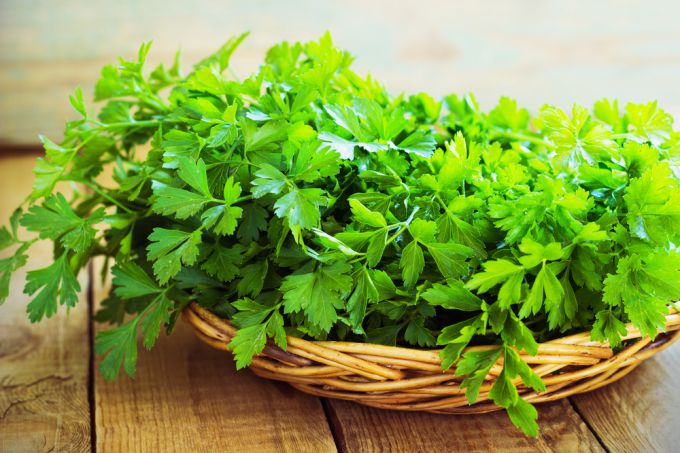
(43, 367)
(358, 429)
(637, 413)
(538, 52)
(188, 397)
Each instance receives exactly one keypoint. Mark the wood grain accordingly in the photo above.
(43, 367)
(188, 397)
(359, 428)
(636, 413)
(537, 52)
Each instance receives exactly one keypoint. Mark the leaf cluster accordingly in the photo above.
(306, 200)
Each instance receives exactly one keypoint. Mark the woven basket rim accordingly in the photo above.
(560, 344)
(400, 378)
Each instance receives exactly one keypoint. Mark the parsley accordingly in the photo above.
(306, 200)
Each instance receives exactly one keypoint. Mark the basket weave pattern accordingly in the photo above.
(411, 379)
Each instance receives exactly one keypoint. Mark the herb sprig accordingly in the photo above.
(306, 200)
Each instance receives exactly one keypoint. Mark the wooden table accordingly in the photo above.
(187, 396)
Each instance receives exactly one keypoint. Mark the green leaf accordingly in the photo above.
(365, 216)
(475, 365)
(608, 328)
(180, 146)
(503, 392)
(523, 415)
(513, 365)
(453, 296)
(131, 281)
(386, 335)
(412, 263)
(275, 330)
(157, 315)
(417, 334)
(8, 266)
(46, 177)
(223, 219)
(423, 231)
(649, 122)
(545, 289)
(224, 263)
(262, 137)
(194, 173)
(55, 281)
(119, 348)
(78, 103)
(376, 247)
(180, 203)
(452, 228)
(645, 287)
(419, 143)
(301, 207)
(535, 253)
(456, 337)
(578, 137)
(450, 258)
(56, 220)
(653, 202)
(365, 292)
(342, 146)
(6, 238)
(253, 222)
(249, 312)
(170, 249)
(313, 163)
(517, 334)
(496, 272)
(252, 280)
(317, 294)
(269, 181)
(508, 115)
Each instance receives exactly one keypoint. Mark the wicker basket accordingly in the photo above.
(412, 379)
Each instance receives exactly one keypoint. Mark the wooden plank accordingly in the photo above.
(43, 367)
(359, 428)
(577, 52)
(637, 412)
(188, 396)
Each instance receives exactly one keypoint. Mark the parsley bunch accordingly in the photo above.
(305, 200)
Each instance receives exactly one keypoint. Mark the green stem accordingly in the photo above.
(106, 196)
(144, 123)
(520, 137)
(243, 198)
(238, 200)
(402, 227)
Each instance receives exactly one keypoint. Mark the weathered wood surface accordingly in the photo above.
(636, 413)
(538, 52)
(43, 367)
(359, 429)
(188, 397)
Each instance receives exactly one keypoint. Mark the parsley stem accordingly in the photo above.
(402, 227)
(106, 196)
(135, 124)
(520, 137)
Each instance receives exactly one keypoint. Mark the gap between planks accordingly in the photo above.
(91, 361)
